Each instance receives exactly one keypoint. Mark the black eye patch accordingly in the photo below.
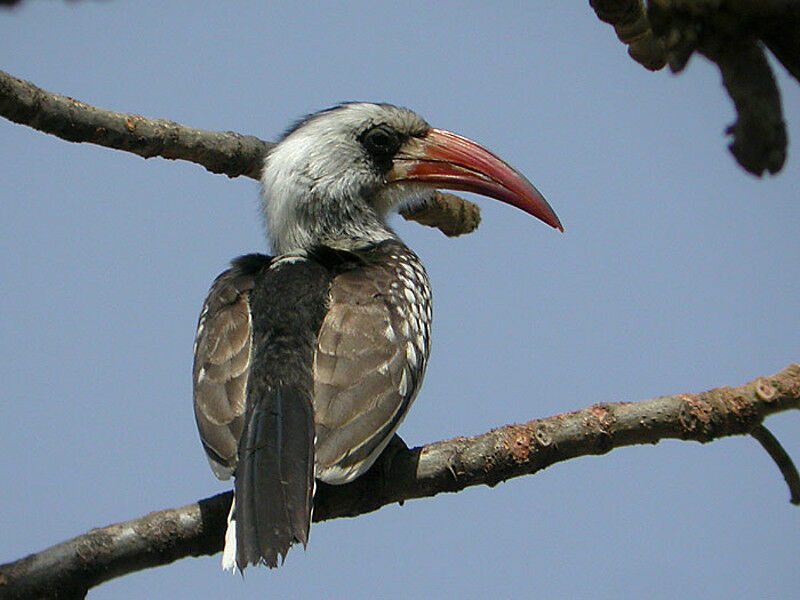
(381, 142)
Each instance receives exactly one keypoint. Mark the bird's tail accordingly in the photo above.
(274, 478)
(229, 551)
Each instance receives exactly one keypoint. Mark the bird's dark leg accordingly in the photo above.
(383, 465)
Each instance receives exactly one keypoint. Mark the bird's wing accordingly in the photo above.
(369, 360)
(222, 359)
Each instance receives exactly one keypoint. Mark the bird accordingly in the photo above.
(307, 360)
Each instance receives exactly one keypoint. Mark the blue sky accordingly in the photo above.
(677, 272)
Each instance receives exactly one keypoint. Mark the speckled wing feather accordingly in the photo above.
(370, 358)
(222, 359)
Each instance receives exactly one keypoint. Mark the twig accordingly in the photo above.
(69, 569)
(773, 447)
(227, 153)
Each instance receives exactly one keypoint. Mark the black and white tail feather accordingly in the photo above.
(274, 477)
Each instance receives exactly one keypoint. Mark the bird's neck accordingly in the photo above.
(344, 224)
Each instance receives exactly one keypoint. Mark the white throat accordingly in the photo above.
(311, 197)
(300, 217)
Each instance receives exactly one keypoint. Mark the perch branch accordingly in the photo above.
(227, 153)
(69, 569)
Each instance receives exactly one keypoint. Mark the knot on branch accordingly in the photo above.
(518, 443)
(598, 424)
(543, 435)
(764, 389)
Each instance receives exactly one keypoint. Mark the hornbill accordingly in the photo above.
(307, 361)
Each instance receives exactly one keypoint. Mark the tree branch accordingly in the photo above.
(731, 35)
(629, 19)
(777, 452)
(69, 569)
(227, 153)
(219, 152)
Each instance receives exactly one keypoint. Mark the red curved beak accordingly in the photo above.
(448, 161)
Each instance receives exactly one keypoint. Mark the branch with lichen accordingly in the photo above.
(227, 153)
(733, 35)
(70, 569)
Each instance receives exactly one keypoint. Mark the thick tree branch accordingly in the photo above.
(69, 569)
(228, 153)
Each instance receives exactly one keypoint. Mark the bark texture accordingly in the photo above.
(71, 568)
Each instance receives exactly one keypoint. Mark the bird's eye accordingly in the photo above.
(381, 141)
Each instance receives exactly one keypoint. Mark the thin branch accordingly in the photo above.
(69, 569)
(777, 452)
(220, 152)
(227, 153)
